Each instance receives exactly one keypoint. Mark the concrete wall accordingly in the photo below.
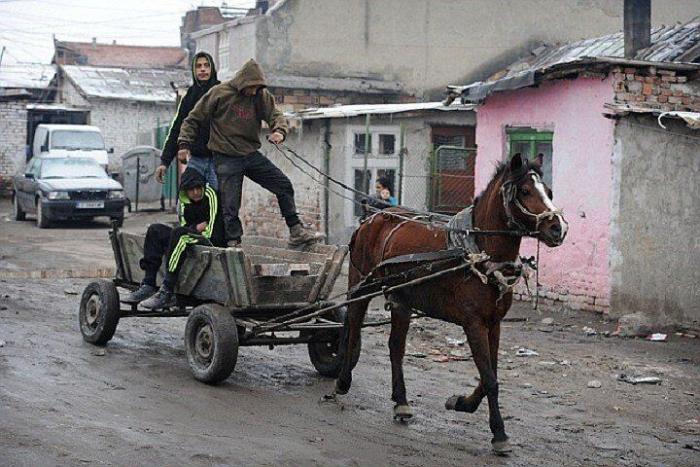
(13, 139)
(121, 121)
(576, 272)
(655, 249)
(427, 44)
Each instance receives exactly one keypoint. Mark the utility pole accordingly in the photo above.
(2, 53)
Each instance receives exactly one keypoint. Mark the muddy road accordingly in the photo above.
(63, 402)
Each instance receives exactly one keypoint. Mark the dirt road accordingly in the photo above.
(62, 403)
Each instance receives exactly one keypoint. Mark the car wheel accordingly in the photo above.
(17, 212)
(41, 220)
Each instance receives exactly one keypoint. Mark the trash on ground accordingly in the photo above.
(547, 321)
(70, 292)
(441, 359)
(99, 352)
(657, 337)
(2, 343)
(594, 384)
(523, 352)
(639, 379)
(545, 329)
(589, 331)
(633, 325)
(417, 355)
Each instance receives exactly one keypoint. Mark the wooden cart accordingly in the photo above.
(232, 297)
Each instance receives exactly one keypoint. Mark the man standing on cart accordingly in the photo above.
(235, 110)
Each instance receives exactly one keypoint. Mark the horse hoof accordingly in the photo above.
(451, 403)
(501, 448)
(402, 413)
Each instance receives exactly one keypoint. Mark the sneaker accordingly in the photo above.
(164, 298)
(233, 244)
(137, 296)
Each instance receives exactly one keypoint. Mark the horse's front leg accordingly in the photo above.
(400, 319)
(471, 403)
(480, 336)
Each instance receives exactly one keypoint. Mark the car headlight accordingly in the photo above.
(58, 195)
(116, 194)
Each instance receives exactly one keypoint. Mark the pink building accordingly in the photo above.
(563, 106)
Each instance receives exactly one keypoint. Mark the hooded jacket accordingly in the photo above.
(187, 103)
(191, 213)
(234, 117)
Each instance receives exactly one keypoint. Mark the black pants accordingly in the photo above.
(163, 240)
(231, 169)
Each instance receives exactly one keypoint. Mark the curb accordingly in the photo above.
(59, 274)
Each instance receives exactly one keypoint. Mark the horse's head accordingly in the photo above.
(528, 202)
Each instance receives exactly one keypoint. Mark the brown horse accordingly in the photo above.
(515, 200)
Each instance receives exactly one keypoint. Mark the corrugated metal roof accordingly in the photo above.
(147, 85)
(346, 111)
(26, 76)
(669, 44)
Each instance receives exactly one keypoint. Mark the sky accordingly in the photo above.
(27, 26)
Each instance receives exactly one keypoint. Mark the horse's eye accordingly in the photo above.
(524, 191)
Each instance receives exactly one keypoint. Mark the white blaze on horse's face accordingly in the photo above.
(539, 186)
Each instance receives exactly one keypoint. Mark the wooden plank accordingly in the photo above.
(282, 244)
(273, 283)
(316, 289)
(192, 271)
(287, 256)
(281, 269)
(214, 284)
(132, 249)
(333, 272)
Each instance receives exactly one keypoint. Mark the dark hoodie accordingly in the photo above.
(235, 118)
(191, 213)
(187, 103)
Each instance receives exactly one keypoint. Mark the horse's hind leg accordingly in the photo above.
(479, 336)
(355, 317)
(400, 319)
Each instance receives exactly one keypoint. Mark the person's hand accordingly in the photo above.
(183, 155)
(384, 194)
(201, 227)
(276, 137)
(160, 173)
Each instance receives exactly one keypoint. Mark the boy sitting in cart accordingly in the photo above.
(201, 222)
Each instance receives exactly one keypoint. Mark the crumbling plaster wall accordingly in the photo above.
(655, 247)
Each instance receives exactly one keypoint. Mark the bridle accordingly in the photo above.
(509, 192)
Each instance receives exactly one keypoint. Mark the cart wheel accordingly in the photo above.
(211, 342)
(99, 312)
(325, 356)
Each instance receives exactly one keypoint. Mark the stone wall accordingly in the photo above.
(13, 139)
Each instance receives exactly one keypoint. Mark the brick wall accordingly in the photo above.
(13, 138)
(653, 87)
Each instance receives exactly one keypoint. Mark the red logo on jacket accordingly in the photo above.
(244, 113)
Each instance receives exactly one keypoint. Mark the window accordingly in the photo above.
(360, 143)
(387, 144)
(223, 50)
(536, 146)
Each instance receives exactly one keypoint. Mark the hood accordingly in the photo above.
(213, 78)
(66, 184)
(191, 178)
(250, 74)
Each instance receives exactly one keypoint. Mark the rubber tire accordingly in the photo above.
(17, 212)
(41, 220)
(108, 318)
(321, 355)
(225, 342)
(119, 220)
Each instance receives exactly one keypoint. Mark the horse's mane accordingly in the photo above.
(502, 169)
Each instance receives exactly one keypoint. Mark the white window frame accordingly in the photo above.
(375, 161)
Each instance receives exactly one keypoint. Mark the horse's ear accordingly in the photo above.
(516, 163)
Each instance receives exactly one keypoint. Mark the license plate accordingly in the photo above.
(91, 204)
